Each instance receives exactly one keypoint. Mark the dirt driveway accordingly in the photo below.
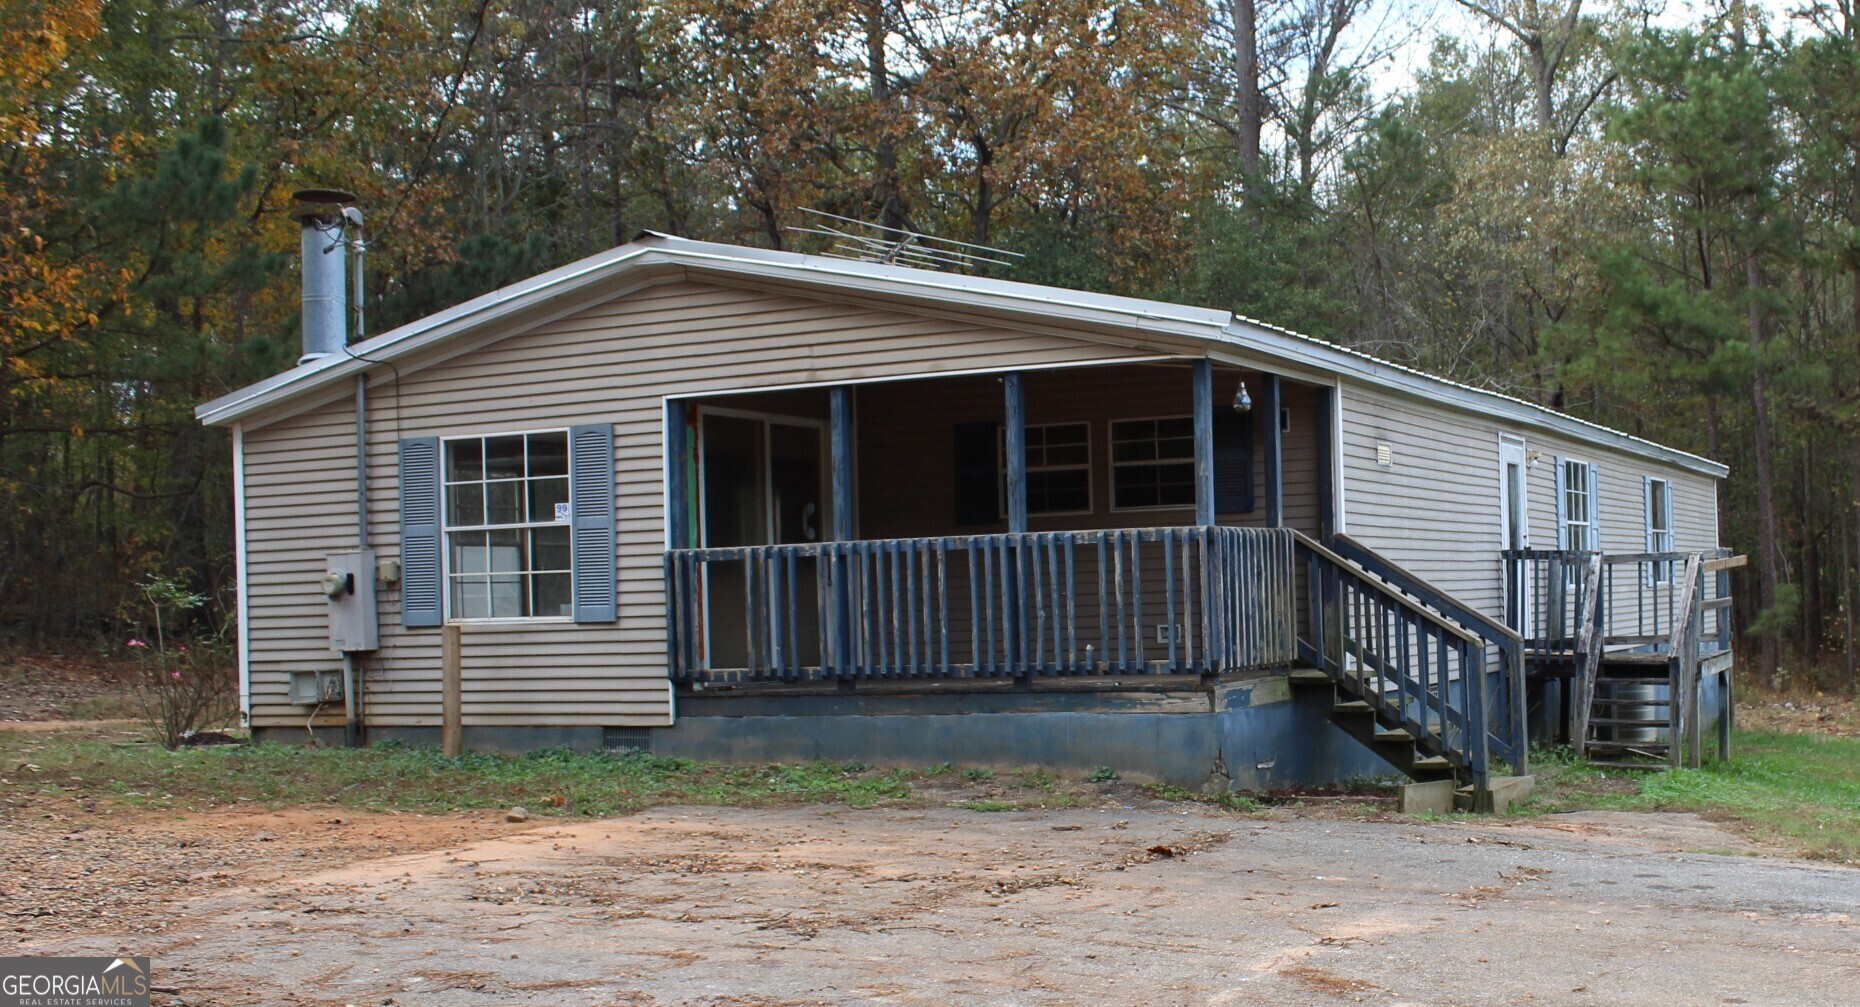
(946, 906)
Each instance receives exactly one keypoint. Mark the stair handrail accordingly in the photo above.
(1477, 622)
(1414, 605)
(1591, 641)
(1442, 611)
(1684, 647)
(1508, 641)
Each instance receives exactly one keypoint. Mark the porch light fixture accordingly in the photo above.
(1243, 403)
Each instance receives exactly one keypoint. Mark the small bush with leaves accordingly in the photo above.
(183, 686)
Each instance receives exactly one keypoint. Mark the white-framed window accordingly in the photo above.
(1058, 468)
(507, 527)
(1153, 463)
(1660, 528)
(1578, 506)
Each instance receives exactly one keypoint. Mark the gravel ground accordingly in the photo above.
(1104, 906)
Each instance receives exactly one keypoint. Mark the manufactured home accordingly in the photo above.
(741, 504)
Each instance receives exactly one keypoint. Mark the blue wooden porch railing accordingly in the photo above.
(1635, 601)
(1450, 676)
(1097, 602)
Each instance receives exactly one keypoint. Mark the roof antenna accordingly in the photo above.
(864, 241)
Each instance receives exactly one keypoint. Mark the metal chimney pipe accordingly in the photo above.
(325, 270)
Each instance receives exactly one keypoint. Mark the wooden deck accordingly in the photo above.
(1642, 638)
(1434, 686)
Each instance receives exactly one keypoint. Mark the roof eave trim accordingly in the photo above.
(1135, 317)
(1130, 314)
(417, 335)
(1395, 377)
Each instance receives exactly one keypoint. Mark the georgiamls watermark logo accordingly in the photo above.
(74, 982)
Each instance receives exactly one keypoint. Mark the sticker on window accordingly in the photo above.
(561, 512)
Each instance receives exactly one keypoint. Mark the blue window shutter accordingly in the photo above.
(420, 587)
(1646, 496)
(591, 509)
(1649, 574)
(1672, 533)
(1562, 528)
(1233, 461)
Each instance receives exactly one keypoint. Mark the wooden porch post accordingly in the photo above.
(677, 493)
(1275, 455)
(1204, 442)
(1016, 453)
(1013, 617)
(1327, 464)
(837, 641)
(842, 443)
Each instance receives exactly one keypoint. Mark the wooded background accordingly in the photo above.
(1650, 221)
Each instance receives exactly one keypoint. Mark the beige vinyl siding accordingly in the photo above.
(1620, 480)
(1623, 504)
(1436, 509)
(612, 363)
(299, 506)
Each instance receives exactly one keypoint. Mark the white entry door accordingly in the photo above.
(1514, 500)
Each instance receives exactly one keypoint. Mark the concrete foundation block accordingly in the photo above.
(1432, 797)
(1505, 791)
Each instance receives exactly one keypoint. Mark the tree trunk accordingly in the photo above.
(981, 213)
(1850, 558)
(885, 190)
(1847, 595)
(1543, 86)
(1766, 476)
(1809, 563)
(1249, 113)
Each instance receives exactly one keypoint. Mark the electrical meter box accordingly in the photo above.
(309, 688)
(349, 585)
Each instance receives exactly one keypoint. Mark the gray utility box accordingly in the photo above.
(350, 588)
(308, 688)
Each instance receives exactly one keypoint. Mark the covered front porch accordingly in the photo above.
(1112, 520)
(1106, 531)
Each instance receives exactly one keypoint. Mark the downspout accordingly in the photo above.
(354, 733)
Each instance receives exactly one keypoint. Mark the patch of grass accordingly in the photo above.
(1236, 802)
(555, 781)
(1102, 774)
(1231, 800)
(978, 773)
(988, 805)
(1794, 789)
(1036, 779)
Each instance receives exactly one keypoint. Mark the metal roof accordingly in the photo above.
(652, 251)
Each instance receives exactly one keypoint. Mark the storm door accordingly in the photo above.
(762, 482)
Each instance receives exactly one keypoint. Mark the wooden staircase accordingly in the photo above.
(1428, 684)
(1632, 718)
(1420, 758)
(1639, 695)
